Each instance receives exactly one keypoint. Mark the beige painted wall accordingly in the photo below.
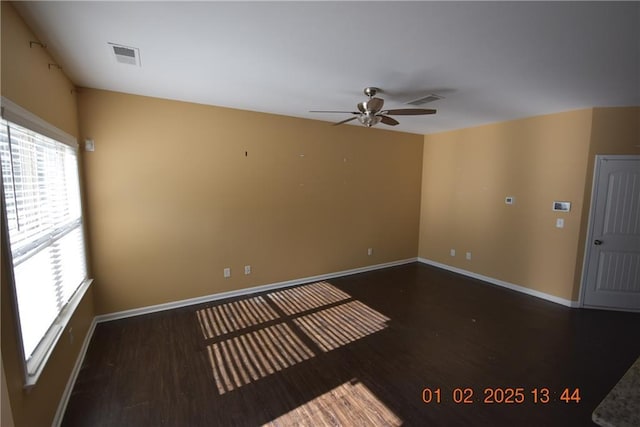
(173, 199)
(468, 173)
(27, 81)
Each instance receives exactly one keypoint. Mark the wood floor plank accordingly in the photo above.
(409, 328)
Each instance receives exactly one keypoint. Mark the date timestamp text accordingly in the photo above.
(500, 395)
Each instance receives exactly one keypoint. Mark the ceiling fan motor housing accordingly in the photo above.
(371, 91)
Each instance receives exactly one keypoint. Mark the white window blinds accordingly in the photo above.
(44, 220)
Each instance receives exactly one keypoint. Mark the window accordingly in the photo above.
(42, 215)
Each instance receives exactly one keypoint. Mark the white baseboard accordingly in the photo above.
(66, 394)
(513, 287)
(246, 291)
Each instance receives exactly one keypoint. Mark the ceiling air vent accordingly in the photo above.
(425, 99)
(126, 54)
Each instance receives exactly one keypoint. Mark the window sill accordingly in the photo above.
(38, 361)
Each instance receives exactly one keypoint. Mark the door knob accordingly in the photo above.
(597, 242)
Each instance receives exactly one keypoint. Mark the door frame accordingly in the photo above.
(599, 158)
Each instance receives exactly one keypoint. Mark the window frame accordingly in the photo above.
(33, 368)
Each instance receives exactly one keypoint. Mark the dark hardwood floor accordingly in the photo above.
(358, 350)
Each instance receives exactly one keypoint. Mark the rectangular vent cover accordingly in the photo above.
(126, 54)
(425, 99)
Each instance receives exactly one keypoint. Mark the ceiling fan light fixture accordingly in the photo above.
(369, 120)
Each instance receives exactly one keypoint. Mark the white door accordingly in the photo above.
(613, 250)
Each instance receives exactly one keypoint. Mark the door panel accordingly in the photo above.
(622, 202)
(619, 271)
(613, 260)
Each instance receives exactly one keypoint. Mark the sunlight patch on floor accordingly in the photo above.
(349, 404)
(341, 325)
(303, 298)
(234, 316)
(241, 349)
(249, 357)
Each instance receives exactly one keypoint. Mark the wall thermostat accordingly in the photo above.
(562, 206)
(509, 200)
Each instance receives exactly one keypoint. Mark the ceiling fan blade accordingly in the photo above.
(388, 120)
(346, 120)
(373, 105)
(409, 111)
(331, 111)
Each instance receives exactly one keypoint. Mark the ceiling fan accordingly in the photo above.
(370, 112)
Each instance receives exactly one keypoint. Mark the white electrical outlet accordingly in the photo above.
(247, 269)
(452, 252)
(560, 222)
(469, 256)
(370, 251)
(227, 272)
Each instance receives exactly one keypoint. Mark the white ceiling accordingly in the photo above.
(491, 61)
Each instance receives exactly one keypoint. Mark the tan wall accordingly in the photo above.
(27, 81)
(173, 199)
(613, 131)
(27, 78)
(468, 173)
